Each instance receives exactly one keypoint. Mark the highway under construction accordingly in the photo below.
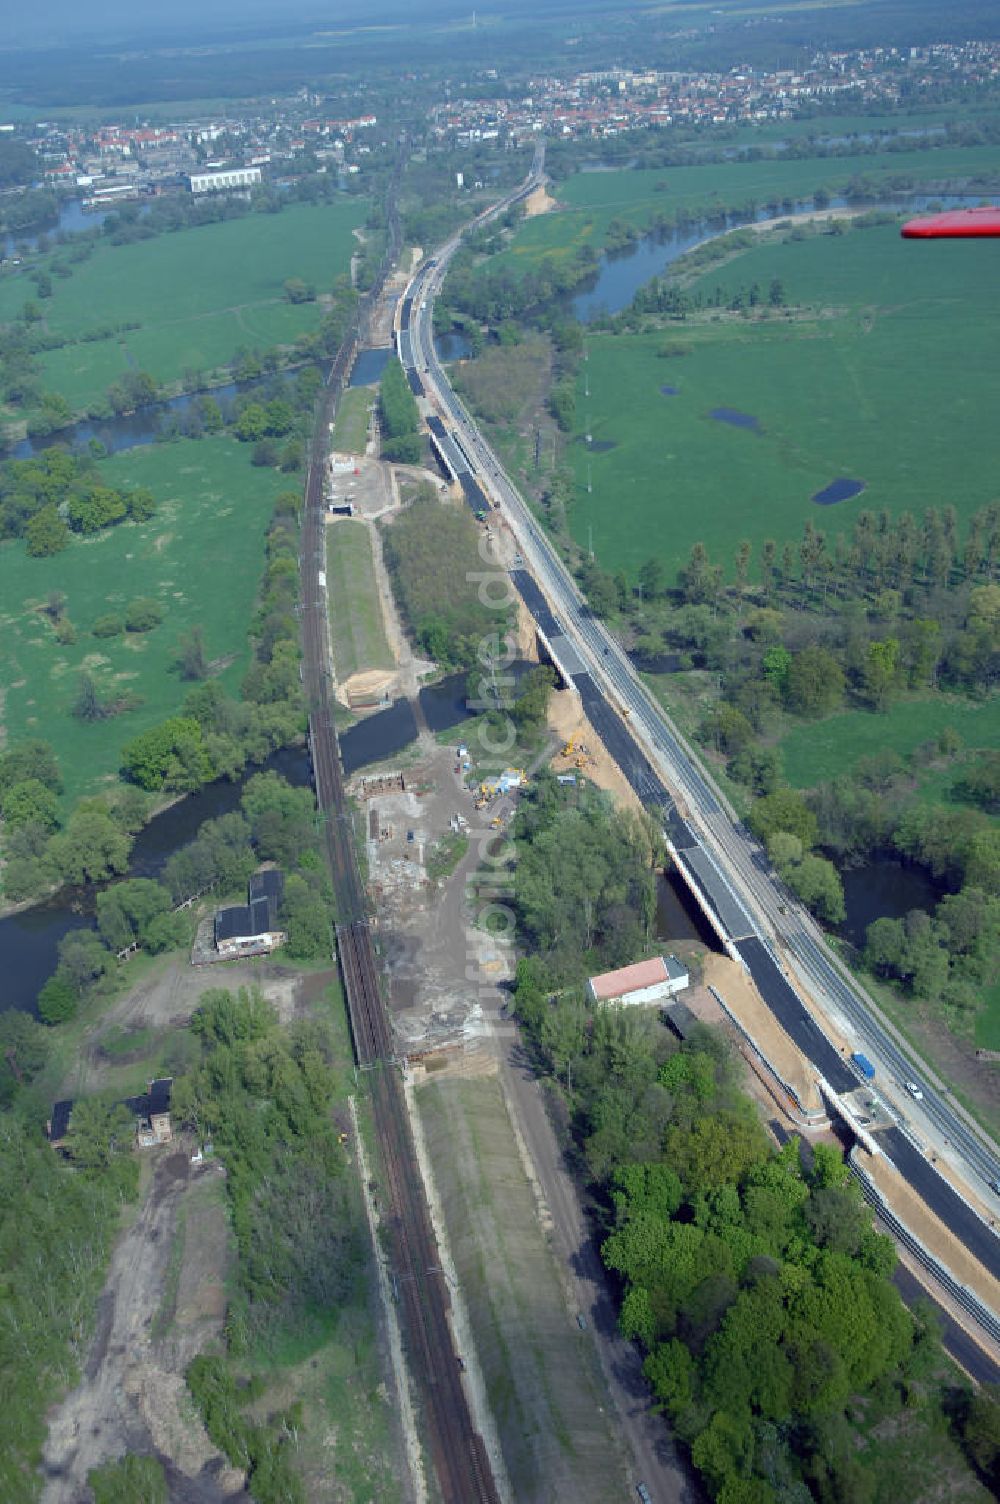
(779, 947)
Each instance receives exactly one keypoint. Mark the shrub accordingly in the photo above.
(108, 626)
(142, 615)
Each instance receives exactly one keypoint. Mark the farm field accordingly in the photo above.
(357, 630)
(198, 294)
(589, 201)
(886, 384)
(820, 750)
(200, 557)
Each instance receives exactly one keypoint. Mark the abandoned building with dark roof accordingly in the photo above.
(151, 1112)
(252, 929)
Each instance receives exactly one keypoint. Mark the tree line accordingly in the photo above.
(58, 1218)
(399, 416)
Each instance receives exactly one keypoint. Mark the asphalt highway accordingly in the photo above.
(664, 771)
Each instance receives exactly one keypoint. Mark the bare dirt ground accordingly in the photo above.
(168, 996)
(567, 720)
(733, 984)
(426, 935)
(523, 1253)
(163, 1302)
(539, 201)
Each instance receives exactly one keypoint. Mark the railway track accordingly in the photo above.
(456, 1449)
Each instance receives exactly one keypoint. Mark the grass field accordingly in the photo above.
(198, 294)
(815, 752)
(895, 388)
(357, 630)
(589, 201)
(350, 430)
(201, 557)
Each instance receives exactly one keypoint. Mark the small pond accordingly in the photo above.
(841, 489)
(452, 346)
(885, 888)
(735, 418)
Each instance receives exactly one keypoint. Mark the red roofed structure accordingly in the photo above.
(645, 982)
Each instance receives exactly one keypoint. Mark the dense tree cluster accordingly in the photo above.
(752, 1277)
(583, 883)
(57, 1222)
(759, 1291)
(495, 295)
(263, 1096)
(46, 498)
(399, 416)
(432, 552)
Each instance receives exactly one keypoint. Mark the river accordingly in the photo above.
(29, 940)
(622, 273)
(73, 217)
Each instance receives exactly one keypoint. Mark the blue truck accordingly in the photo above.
(864, 1065)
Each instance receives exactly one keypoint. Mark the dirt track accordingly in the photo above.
(163, 1301)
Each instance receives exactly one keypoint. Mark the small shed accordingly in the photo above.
(642, 983)
(678, 1016)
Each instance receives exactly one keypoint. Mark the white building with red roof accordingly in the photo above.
(644, 982)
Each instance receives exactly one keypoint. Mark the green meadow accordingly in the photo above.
(350, 428)
(357, 630)
(891, 381)
(200, 557)
(815, 751)
(589, 201)
(198, 295)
